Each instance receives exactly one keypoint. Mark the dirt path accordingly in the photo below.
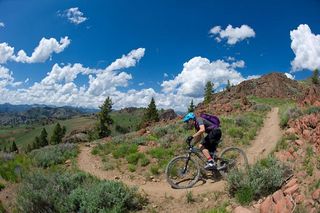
(160, 191)
(266, 139)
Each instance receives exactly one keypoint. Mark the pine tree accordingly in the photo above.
(57, 134)
(36, 144)
(14, 147)
(208, 90)
(228, 87)
(105, 119)
(43, 138)
(315, 76)
(151, 113)
(191, 107)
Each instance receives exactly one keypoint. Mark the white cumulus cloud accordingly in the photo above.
(41, 53)
(74, 15)
(44, 50)
(197, 71)
(306, 47)
(6, 78)
(233, 35)
(2, 24)
(6, 52)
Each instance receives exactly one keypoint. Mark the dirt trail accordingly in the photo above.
(265, 141)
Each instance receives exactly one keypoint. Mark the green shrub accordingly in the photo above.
(133, 158)
(262, 179)
(2, 186)
(261, 108)
(53, 155)
(289, 113)
(2, 209)
(235, 132)
(312, 110)
(189, 197)
(132, 168)
(75, 192)
(244, 195)
(154, 169)
(161, 153)
(124, 149)
(160, 131)
(144, 161)
(221, 208)
(13, 167)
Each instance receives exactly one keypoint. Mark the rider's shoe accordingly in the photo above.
(210, 165)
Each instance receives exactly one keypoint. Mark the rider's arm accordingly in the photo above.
(200, 132)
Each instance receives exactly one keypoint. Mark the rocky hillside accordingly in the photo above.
(273, 85)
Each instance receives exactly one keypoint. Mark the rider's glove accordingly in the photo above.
(189, 139)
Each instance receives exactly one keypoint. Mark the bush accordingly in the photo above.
(13, 167)
(262, 179)
(290, 113)
(132, 168)
(2, 186)
(312, 110)
(154, 169)
(161, 153)
(261, 108)
(133, 158)
(124, 149)
(53, 155)
(77, 192)
(235, 132)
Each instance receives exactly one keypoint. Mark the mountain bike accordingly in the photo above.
(186, 170)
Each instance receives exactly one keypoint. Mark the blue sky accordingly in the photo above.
(173, 52)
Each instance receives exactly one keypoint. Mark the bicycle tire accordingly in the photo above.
(183, 160)
(229, 167)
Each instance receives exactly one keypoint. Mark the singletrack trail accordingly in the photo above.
(266, 139)
(264, 143)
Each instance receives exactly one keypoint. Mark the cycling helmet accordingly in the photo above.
(189, 116)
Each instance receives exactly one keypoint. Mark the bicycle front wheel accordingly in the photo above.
(232, 158)
(182, 172)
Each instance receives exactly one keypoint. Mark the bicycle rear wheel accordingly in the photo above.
(232, 158)
(182, 172)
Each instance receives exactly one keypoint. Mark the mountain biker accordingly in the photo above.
(209, 142)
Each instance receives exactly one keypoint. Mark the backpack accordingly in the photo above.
(211, 118)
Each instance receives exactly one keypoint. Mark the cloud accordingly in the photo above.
(290, 76)
(74, 15)
(306, 47)
(108, 78)
(6, 53)
(165, 75)
(233, 35)
(2, 24)
(6, 78)
(41, 53)
(197, 71)
(44, 50)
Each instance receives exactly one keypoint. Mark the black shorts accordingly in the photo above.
(212, 140)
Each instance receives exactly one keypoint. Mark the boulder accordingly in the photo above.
(241, 209)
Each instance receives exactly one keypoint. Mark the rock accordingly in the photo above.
(143, 149)
(68, 162)
(281, 206)
(299, 199)
(291, 190)
(301, 174)
(141, 132)
(77, 138)
(205, 199)
(267, 206)
(291, 150)
(291, 182)
(168, 114)
(306, 134)
(154, 206)
(290, 131)
(278, 196)
(316, 195)
(241, 209)
(299, 142)
(117, 178)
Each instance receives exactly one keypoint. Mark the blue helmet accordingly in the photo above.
(189, 116)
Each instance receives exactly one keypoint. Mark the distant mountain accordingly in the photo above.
(29, 114)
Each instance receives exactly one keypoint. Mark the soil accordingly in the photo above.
(165, 199)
